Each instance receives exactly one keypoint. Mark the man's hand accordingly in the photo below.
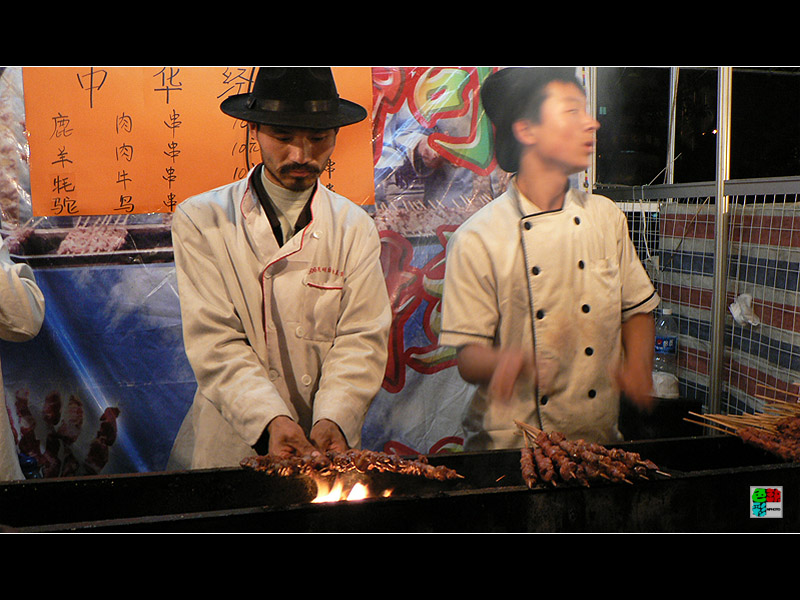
(498, 369)
(635, 378)
(511, 367)
(637, 386)
(327, 437)
(286, 438)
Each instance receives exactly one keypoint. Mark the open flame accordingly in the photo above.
(336, 492)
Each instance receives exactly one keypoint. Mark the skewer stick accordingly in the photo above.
(707, 425)
(774, 389)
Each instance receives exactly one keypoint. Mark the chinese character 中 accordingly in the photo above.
(92, 81)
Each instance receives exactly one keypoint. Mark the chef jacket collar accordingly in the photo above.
(263, 198)
(527, 208)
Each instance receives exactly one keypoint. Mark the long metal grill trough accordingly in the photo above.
(708, 490)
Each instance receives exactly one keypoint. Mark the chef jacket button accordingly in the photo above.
(589, 351)
(592, 393)
(540, 314)
(299, 332)
(316, 235)
(580, 264)
(586, 308)
(535, 270)
(306, 379)
(543, 400)
(273, 374)
(577, 221)
(527, 225)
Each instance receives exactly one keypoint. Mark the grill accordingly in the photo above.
(708, 490)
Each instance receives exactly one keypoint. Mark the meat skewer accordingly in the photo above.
(562, 462)
(361, 461)
(777, 430)
(528, 467)
(559, 460)
(545, 466)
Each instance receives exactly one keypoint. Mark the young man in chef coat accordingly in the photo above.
(284, 304)
(545, 297)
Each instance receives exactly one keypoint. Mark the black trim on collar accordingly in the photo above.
(264, 199)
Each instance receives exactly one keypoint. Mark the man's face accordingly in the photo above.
(294, 158)
(565, 136)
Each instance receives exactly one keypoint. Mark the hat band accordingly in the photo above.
(309, 106)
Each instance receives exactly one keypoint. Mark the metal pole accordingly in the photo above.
(590, 84)
(721, 241)
(673, 95)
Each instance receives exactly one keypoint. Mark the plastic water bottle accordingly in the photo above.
(665, 363)
(666, 350)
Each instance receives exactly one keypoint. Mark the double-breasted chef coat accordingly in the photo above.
(558, 284)
(299, 330)
(21, 316)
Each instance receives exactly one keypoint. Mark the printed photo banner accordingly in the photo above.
(136, 140)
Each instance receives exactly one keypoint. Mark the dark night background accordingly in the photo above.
(633, 110)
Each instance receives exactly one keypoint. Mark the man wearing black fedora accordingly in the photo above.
(544, 295)
(284, 304)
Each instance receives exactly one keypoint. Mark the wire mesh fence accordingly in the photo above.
(675, 229)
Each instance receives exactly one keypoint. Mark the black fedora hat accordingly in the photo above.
(506, 95)
(294, 97)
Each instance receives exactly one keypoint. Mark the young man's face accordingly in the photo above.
(294, 158)
(564, 137)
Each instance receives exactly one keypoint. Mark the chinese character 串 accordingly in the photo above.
(172, 151)
(173, 122)
(170, 202)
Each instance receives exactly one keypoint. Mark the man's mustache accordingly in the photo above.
(310, 168)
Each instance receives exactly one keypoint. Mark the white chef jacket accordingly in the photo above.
(299, 330)
(559, 283)
(21, 317)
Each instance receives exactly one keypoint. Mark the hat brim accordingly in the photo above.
(497, 94)
(347, 113)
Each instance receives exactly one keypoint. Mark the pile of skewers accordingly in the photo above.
(353, 460)
(552, 459)
(776, 429)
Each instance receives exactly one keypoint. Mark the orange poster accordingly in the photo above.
(133, 140)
